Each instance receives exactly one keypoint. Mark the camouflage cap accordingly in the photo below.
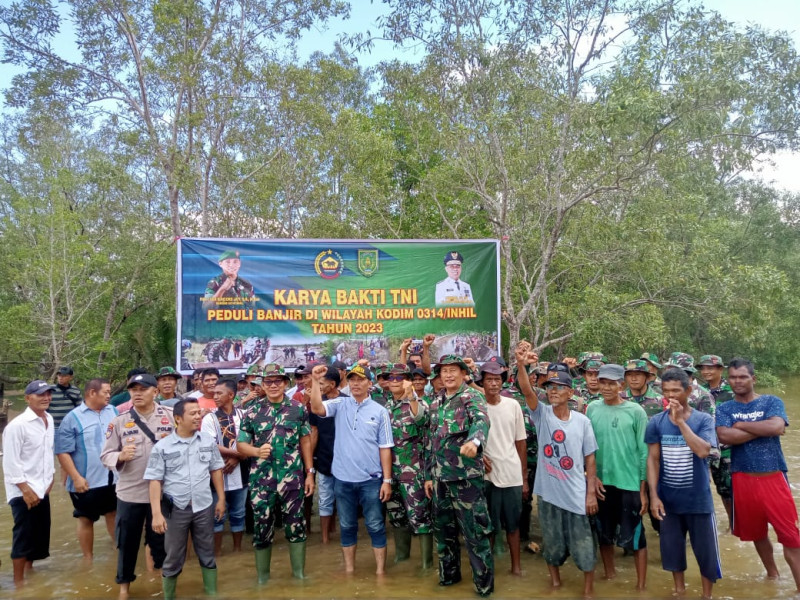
(358, 371)
(592, 365)
(400, 369)
(274, 370)
(637, 365)
(652, 359)
(540, 370)
(167, 372)
(228, 254)
(253, 370)
(583, 357)
(452, 359)
(711, 360)
(419, 373)
(682, 361)
(382, 369)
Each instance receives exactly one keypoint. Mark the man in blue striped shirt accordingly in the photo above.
(78, 444)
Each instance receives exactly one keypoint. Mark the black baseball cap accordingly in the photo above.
(144, 379)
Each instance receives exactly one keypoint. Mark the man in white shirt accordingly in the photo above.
(28, 467)
(452, 290)
(506, 461)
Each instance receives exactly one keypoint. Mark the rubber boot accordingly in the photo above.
(168, 584)
(209, 581)
(263, 560)
(402, 544)
(297, 556)
(426, 549)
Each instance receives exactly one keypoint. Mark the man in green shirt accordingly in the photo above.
(619, 427)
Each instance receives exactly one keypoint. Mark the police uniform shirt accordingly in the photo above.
(123, 430)
(450, 291)
(185, 465)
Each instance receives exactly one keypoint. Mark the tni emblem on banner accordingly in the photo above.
(368, 262)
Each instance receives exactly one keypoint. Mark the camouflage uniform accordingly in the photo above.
(720, 461)
(651, 401)
(380, 395)
(278, 481)
(408, 507)
(241, 288)
(458, 500)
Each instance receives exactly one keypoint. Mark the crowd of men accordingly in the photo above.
(448, 450)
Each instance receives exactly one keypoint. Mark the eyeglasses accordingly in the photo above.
(396, 378)
(272, 382)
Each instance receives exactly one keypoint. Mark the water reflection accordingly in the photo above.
(65, 575)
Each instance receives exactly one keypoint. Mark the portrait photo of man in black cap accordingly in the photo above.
(452, 291)
(228, 284)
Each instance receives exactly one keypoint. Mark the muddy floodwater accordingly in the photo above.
(65, 575)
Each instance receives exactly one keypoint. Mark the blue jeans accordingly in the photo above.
(325, 485)
(348, 498)
(234, 501)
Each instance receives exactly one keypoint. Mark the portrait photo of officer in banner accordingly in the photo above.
(228, 285)
(452, 290)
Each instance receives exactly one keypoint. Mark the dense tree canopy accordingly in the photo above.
(603, 142)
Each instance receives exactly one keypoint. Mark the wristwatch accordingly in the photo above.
(312, 471)
(476, 441)
(389, 481)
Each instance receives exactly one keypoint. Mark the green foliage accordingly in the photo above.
(601, 142)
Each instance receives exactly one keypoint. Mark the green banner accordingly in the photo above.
(242, 302)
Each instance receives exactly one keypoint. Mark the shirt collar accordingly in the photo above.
(182, 440)
(29, 415)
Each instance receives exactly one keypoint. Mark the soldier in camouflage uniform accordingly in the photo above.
(380, 391)
(228, 284)
(654, 367)
(255, 389)
(276, 432)
(637, 373)
(167, 379)
(699, 399)
(579, 383)
(590, 391)
(409, 509)
(711, 369)
(454, 471)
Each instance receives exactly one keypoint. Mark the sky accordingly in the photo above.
(781, 15)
